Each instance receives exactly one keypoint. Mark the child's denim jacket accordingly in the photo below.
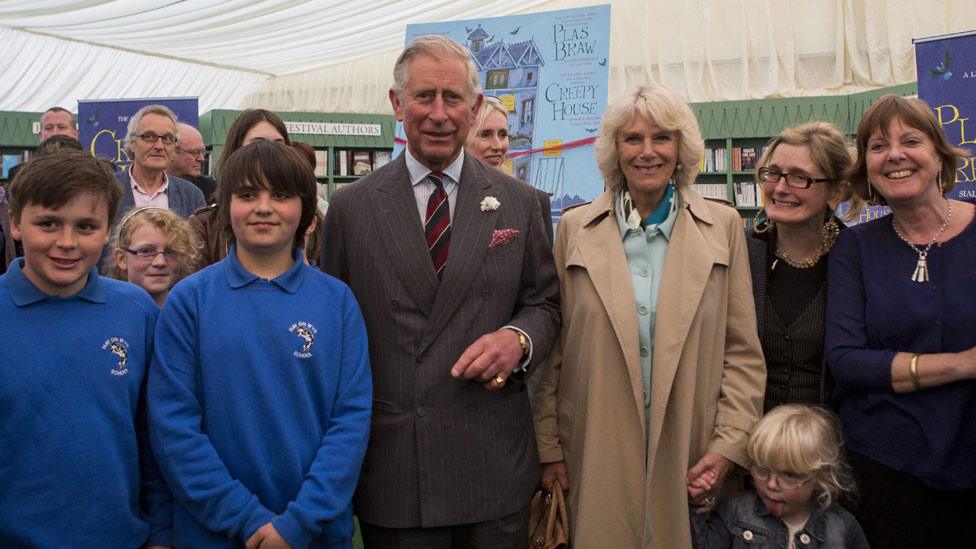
(743, 521)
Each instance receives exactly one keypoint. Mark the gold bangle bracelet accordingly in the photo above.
(913, 371)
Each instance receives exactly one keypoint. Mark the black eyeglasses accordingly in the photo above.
(192, 152)
(151, 138)
(795, 180)
(786, 481)
(149, 254)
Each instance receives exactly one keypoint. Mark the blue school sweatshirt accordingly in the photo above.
(75, 465)
(259, 402)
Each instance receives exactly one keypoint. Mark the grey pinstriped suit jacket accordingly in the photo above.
(443, 451)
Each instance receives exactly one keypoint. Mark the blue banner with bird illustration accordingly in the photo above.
(102, 123)
(946, 67)
(550, 71)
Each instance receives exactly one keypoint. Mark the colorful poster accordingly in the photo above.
(102, 123)
(550, 71)
(946, 71)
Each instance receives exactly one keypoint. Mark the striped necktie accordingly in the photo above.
(437, 223)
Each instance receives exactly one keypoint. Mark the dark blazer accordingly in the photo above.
(184, 197)
(443, 451)
(545, 209)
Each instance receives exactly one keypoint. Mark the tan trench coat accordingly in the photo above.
(707, 382)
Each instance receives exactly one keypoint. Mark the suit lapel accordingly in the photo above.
(403, 236)
(687, 268)
(471, 231)
(608, 270)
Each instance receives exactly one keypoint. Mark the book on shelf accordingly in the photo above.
(362, 162)
(712, 190)
(713, 160)
(748, 194)
(381, 158)
(321, 163)
(745, 158)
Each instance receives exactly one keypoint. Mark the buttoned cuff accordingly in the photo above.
(524, 365)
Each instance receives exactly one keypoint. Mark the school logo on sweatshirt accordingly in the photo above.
(306, 331)
(120, 348)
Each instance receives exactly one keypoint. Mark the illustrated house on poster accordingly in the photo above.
(511, 73)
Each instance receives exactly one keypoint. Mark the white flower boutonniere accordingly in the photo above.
(490, 203)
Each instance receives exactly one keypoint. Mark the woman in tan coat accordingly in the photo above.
(651, 394)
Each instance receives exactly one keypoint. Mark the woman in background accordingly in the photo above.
(153, 248)
(488, 142)
(802, 175)
(249, 126)
(900, 339)
(648, 399)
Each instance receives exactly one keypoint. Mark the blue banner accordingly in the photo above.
(550, 71)
(102, 123)
(946, 71)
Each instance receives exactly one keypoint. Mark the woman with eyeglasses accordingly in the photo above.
(802, 175)
(901, 343)
(154, 249)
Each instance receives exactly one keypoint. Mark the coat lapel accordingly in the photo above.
(403, 236)
(687, 268)
(471, 231)
(608, 270)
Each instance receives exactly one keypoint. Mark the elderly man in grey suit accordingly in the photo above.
(150, 141)
(452, 268)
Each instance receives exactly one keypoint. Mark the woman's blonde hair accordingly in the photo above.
(830, 151)
(491, 104)
(804, 440)
(660, 106)
(182, 238)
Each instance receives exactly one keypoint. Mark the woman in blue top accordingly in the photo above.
(900, 338)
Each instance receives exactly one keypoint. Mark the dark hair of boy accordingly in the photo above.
(52, 180)
(58, 143)
(272, 166)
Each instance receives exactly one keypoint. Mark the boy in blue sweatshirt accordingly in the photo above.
(260, 391)
(75, 464)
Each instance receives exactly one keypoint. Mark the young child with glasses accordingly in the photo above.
(799, 474)
(154, 249)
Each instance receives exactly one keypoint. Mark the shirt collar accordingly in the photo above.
(24, 292)
(289, 281)
(670, 201)
(164, 188)
(419, 172)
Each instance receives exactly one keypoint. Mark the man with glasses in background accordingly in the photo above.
(150, 142)
(188, 160)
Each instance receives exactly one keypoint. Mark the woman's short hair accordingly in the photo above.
(804, 440)
(491, 104)
(662, 107)
(273, 166)
(181, 237)
(243, 124)
(914, 113)
(829, 150)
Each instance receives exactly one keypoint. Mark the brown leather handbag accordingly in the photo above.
(548, 520)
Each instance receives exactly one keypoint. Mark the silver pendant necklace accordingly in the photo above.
(921, 273)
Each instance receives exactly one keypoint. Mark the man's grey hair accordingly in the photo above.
(133, 128)
(436, 46)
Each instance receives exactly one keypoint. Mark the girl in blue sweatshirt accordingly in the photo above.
(260, 390)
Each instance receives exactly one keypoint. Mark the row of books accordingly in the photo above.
(353, 162)
(712, 190)
(742, 158)
(747, 194)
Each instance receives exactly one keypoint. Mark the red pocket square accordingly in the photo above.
(502, 236)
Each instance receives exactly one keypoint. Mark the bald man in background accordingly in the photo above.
(187, 161)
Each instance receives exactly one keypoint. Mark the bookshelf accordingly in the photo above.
(736, 133)
(18, 139)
